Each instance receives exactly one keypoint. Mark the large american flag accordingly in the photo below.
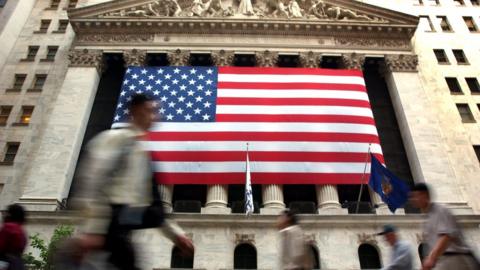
(303, 126)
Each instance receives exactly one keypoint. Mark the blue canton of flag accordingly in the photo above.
(182, 94)
(392, 190)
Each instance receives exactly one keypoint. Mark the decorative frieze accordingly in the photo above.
(223, 58)
(134, 57)
(401, 62)
(178, 58)
(353, 61)
(365, 238)
(266, 58)
(244, 238)
(373, 42)
(86, 58)
(115, 38)
(310, 59)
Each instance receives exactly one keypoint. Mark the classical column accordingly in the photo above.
(328, 201)
(380, 207)
(353, 61)
(272, 195)
(217, 200)
(178, 58)
(50, 172)
(310, 59)
(223, 58)
(134, 57)
(421, 133)
(166, 193)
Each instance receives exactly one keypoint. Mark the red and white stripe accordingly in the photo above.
(303, 126)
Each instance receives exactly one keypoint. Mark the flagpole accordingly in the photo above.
(363, 177)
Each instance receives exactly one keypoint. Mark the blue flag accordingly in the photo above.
(392, 190)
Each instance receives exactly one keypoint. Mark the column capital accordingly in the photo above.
(86, 58)
(178, 57)
(134, 57)
(223, 58)
(310, 59)
(266, 58)
(401, 62)
(353, 61)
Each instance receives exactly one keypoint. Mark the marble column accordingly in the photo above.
(272, 195)
(166, 193)
(421, 133)
(134, 57)
(310, 59)
(223, 58)
(353, 61)
(178, 58)
(49, 176)
(328, 201)
(380, 207)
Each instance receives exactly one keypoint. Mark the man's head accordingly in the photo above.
(142, 111)
(390, 234)
(15, 213)
(420, 196)
(286, 219)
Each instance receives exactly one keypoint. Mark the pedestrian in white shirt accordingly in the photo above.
(294, 253)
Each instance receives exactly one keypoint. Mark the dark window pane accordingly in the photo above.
(460, 56)
(315, 257)
(477, 150)
(44, 24)
(72, 3)
(180, 261)
(288, 61)
(201, 59)
(473, 85)
(244, 60)
(245, 257)
(465, 113)
(32, 52)
(26, 114)
(19, 80)
(11, 152)
(444, 24)
(39, 81)
(368, 256)
(62, 25)
(453, 85)
(472, 27)
(441, 56)
(51, 52)
(4, 114)
(3, 3)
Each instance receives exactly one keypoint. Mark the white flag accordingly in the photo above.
(248, 189)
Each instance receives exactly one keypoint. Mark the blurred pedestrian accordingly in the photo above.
(12, 239)
(401, 258)
(294, 252)
(446, 246)
(122, 194)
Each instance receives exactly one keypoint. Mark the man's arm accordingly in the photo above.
(177, 236)
(437, 251)
(402, 260)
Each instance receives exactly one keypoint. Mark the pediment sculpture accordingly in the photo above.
(281, 9)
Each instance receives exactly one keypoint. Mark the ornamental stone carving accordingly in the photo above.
(353, 61)
(114, 38)
(134, 57)
(266, 59)
(178, 58)
(372, 42)
(86, 58)
(366, 238)
(223, 58)
(244, 238)
(401, 62)
(310, 59)
(291, 9)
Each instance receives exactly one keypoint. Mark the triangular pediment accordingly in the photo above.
(339, 11)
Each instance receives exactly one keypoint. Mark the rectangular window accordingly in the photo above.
(18, 82)
(425, 20)
(3, 3)
(465, 113)
(441, 56)
(38, 82)
(44, 24)
(473, 85)
(477, 151)
(10, 152)
(475, 2)
(459, 2)
(453, 85)
(32, 53)
(444, 24)
(26, 115)
(62, 26)
(72, 3)
(4, 114)
(460, 56)
(51, 52)
(54, 4)
(472, 27)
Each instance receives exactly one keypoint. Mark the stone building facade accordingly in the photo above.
(61, 62)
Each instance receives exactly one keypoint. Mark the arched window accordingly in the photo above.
(315, 257)
(421, 251)
(368, 256)
(180, 261)
(245, 257)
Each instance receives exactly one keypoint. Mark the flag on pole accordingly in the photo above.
(305, 125)
(249, 208)
(392, 190)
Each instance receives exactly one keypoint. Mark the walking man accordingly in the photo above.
(401, 258)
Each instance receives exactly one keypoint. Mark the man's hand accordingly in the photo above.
(185, 245)
(428, 263)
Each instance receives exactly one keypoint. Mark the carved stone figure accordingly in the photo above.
(310, 59)
(215, 9)
(339, 13)
(245, 7)
(172, 8)
(318, 9)
(223, 58)
(178, 58)
(199, 8)
(277, 9)
(266, 58)
(294, 9)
